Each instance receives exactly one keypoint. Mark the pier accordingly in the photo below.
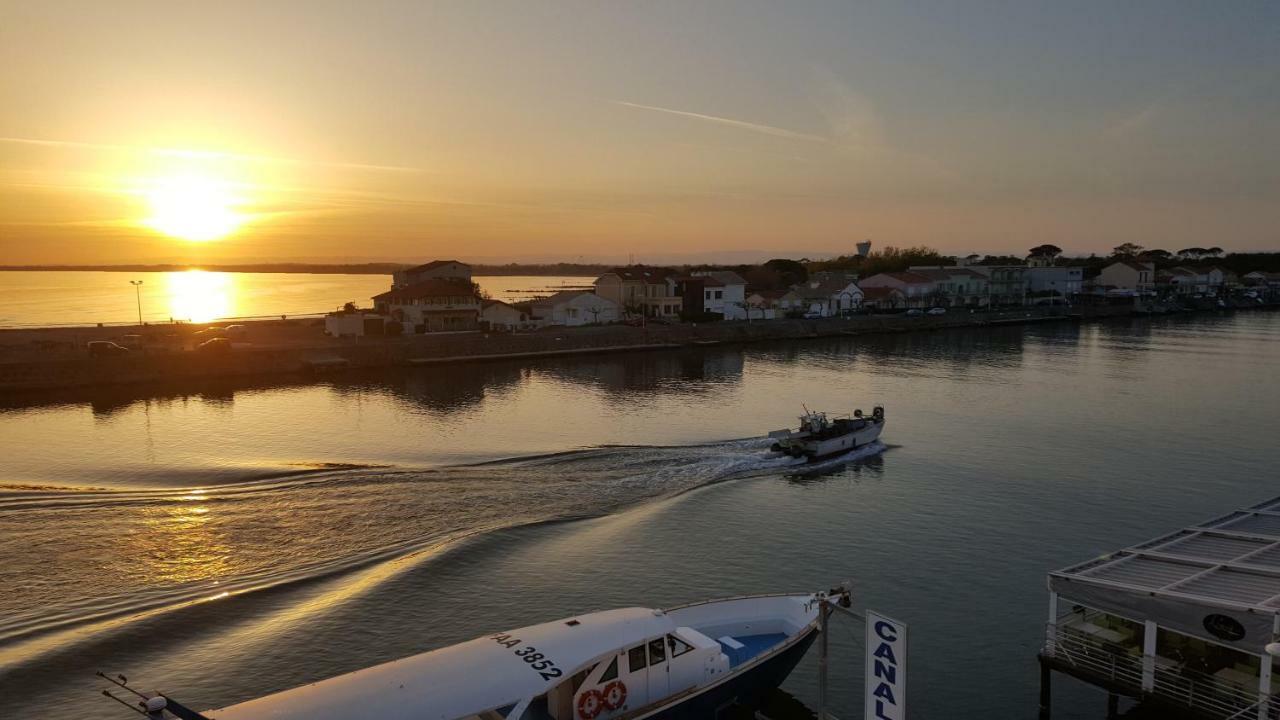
(1187, 623)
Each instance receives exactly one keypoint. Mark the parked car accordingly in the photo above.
(211, 331)
(215, 346)
(105, 348)
(937, 311)
(131, 341)
(236, 331)
(915, 312)
(813, 315)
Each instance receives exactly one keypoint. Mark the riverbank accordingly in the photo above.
(55, 359)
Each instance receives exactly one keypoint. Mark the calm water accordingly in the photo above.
(226, 541)
(84, 298)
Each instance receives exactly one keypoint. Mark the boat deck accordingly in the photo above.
(750, 646)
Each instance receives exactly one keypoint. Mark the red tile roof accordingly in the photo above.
(433, 265)
(428, 288)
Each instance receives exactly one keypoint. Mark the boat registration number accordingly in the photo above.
(536, 660)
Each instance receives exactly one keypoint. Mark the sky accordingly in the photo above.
(654, 131)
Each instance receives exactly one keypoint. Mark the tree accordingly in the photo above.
(1048, 251)
(1192, 253)
(1214, 252)
(793, 272)
(1127, 250)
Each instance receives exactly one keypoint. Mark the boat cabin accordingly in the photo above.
(1184, 621)
(591, 667)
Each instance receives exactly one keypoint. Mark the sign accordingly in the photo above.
(886, 662)
(1224, 627)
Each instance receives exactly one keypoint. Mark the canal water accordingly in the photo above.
(221, 541)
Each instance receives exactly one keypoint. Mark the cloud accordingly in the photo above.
(1134, 122)
(205, 154)
(740, 124)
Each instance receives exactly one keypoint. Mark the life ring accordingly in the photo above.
(590, 703)
(615, 694)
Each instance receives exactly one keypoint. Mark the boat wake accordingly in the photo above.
(126, 555)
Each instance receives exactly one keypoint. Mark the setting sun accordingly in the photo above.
(192, 207)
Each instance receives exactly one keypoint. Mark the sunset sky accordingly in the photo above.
(257, 131)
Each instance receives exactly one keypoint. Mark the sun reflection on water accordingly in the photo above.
(199, 296)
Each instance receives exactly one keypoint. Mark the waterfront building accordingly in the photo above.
(572, 308)
(1186, 621)
(723, 293)
(884, 298)
(1006, 284)
(433, 305)
(1128, 275)
(497, 315)
(642, 290)
(918, 290)
(954, 285)
(436, 270)
(353, 322)
(827, 296)
(1063, 281)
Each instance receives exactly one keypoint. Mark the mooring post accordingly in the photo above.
(1045, 687)
(822, 659)
(1113, 706)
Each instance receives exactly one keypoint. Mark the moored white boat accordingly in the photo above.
(631, 663)
(821, 437)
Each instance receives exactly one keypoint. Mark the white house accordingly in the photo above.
(826, 297)
(724, 293)
(1065, 281)
(574, 307)
(354, 323)
(498, 315)
(956, 285)
(433, 305)
(917, 290)
(1129, 275)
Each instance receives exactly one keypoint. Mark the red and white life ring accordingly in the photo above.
(614, 695)
(590, 703)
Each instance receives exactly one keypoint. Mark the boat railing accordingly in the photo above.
(1121, 666)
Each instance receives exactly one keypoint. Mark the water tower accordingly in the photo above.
(864, 248)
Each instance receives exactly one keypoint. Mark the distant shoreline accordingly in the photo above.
(547, 269)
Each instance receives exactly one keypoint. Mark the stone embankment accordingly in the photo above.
(57, 360)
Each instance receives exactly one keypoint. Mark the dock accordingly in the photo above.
(1187, 623)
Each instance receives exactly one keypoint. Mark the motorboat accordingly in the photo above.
(632, 663)
(820, 437)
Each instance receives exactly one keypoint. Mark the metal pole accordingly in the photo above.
(137, 291)
(823, 612)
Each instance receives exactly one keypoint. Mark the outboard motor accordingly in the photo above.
(857, 413)
(878, 413)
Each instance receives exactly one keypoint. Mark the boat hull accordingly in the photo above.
(746, 686)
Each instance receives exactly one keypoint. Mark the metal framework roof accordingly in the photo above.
(1230, 561)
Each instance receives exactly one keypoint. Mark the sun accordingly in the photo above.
(192, 207)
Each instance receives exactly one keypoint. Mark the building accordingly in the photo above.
(1006, 284)
(497, 315)
(1055, 280)
(354, 323)
(884, 298)
(956, 285)
(437, 270)
(572, 308)
(641, 290)
(1129, 276)
(433, 305)
(724, 293)
(1186, 621)
(917, 290)
(764, 304)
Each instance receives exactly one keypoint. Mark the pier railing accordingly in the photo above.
(1121, 667)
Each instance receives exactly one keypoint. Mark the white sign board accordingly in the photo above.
(886, 687)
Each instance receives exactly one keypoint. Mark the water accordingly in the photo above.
(39, 299)
(223, 541)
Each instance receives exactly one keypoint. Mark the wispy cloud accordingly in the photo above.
(1134, 122)
(740, 124)
(204, 154)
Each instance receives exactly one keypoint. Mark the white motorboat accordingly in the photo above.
(633, 663)
(821, 437)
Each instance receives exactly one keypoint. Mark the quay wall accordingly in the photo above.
(318, 355)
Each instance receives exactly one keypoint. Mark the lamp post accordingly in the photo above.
(137, 291)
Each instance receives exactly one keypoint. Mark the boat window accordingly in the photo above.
(678, 646)
(657, 652)
(635, 658)
(611, 673)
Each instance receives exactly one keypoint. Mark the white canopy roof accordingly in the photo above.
(463, 679)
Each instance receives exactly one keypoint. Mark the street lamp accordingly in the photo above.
(137, 291)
